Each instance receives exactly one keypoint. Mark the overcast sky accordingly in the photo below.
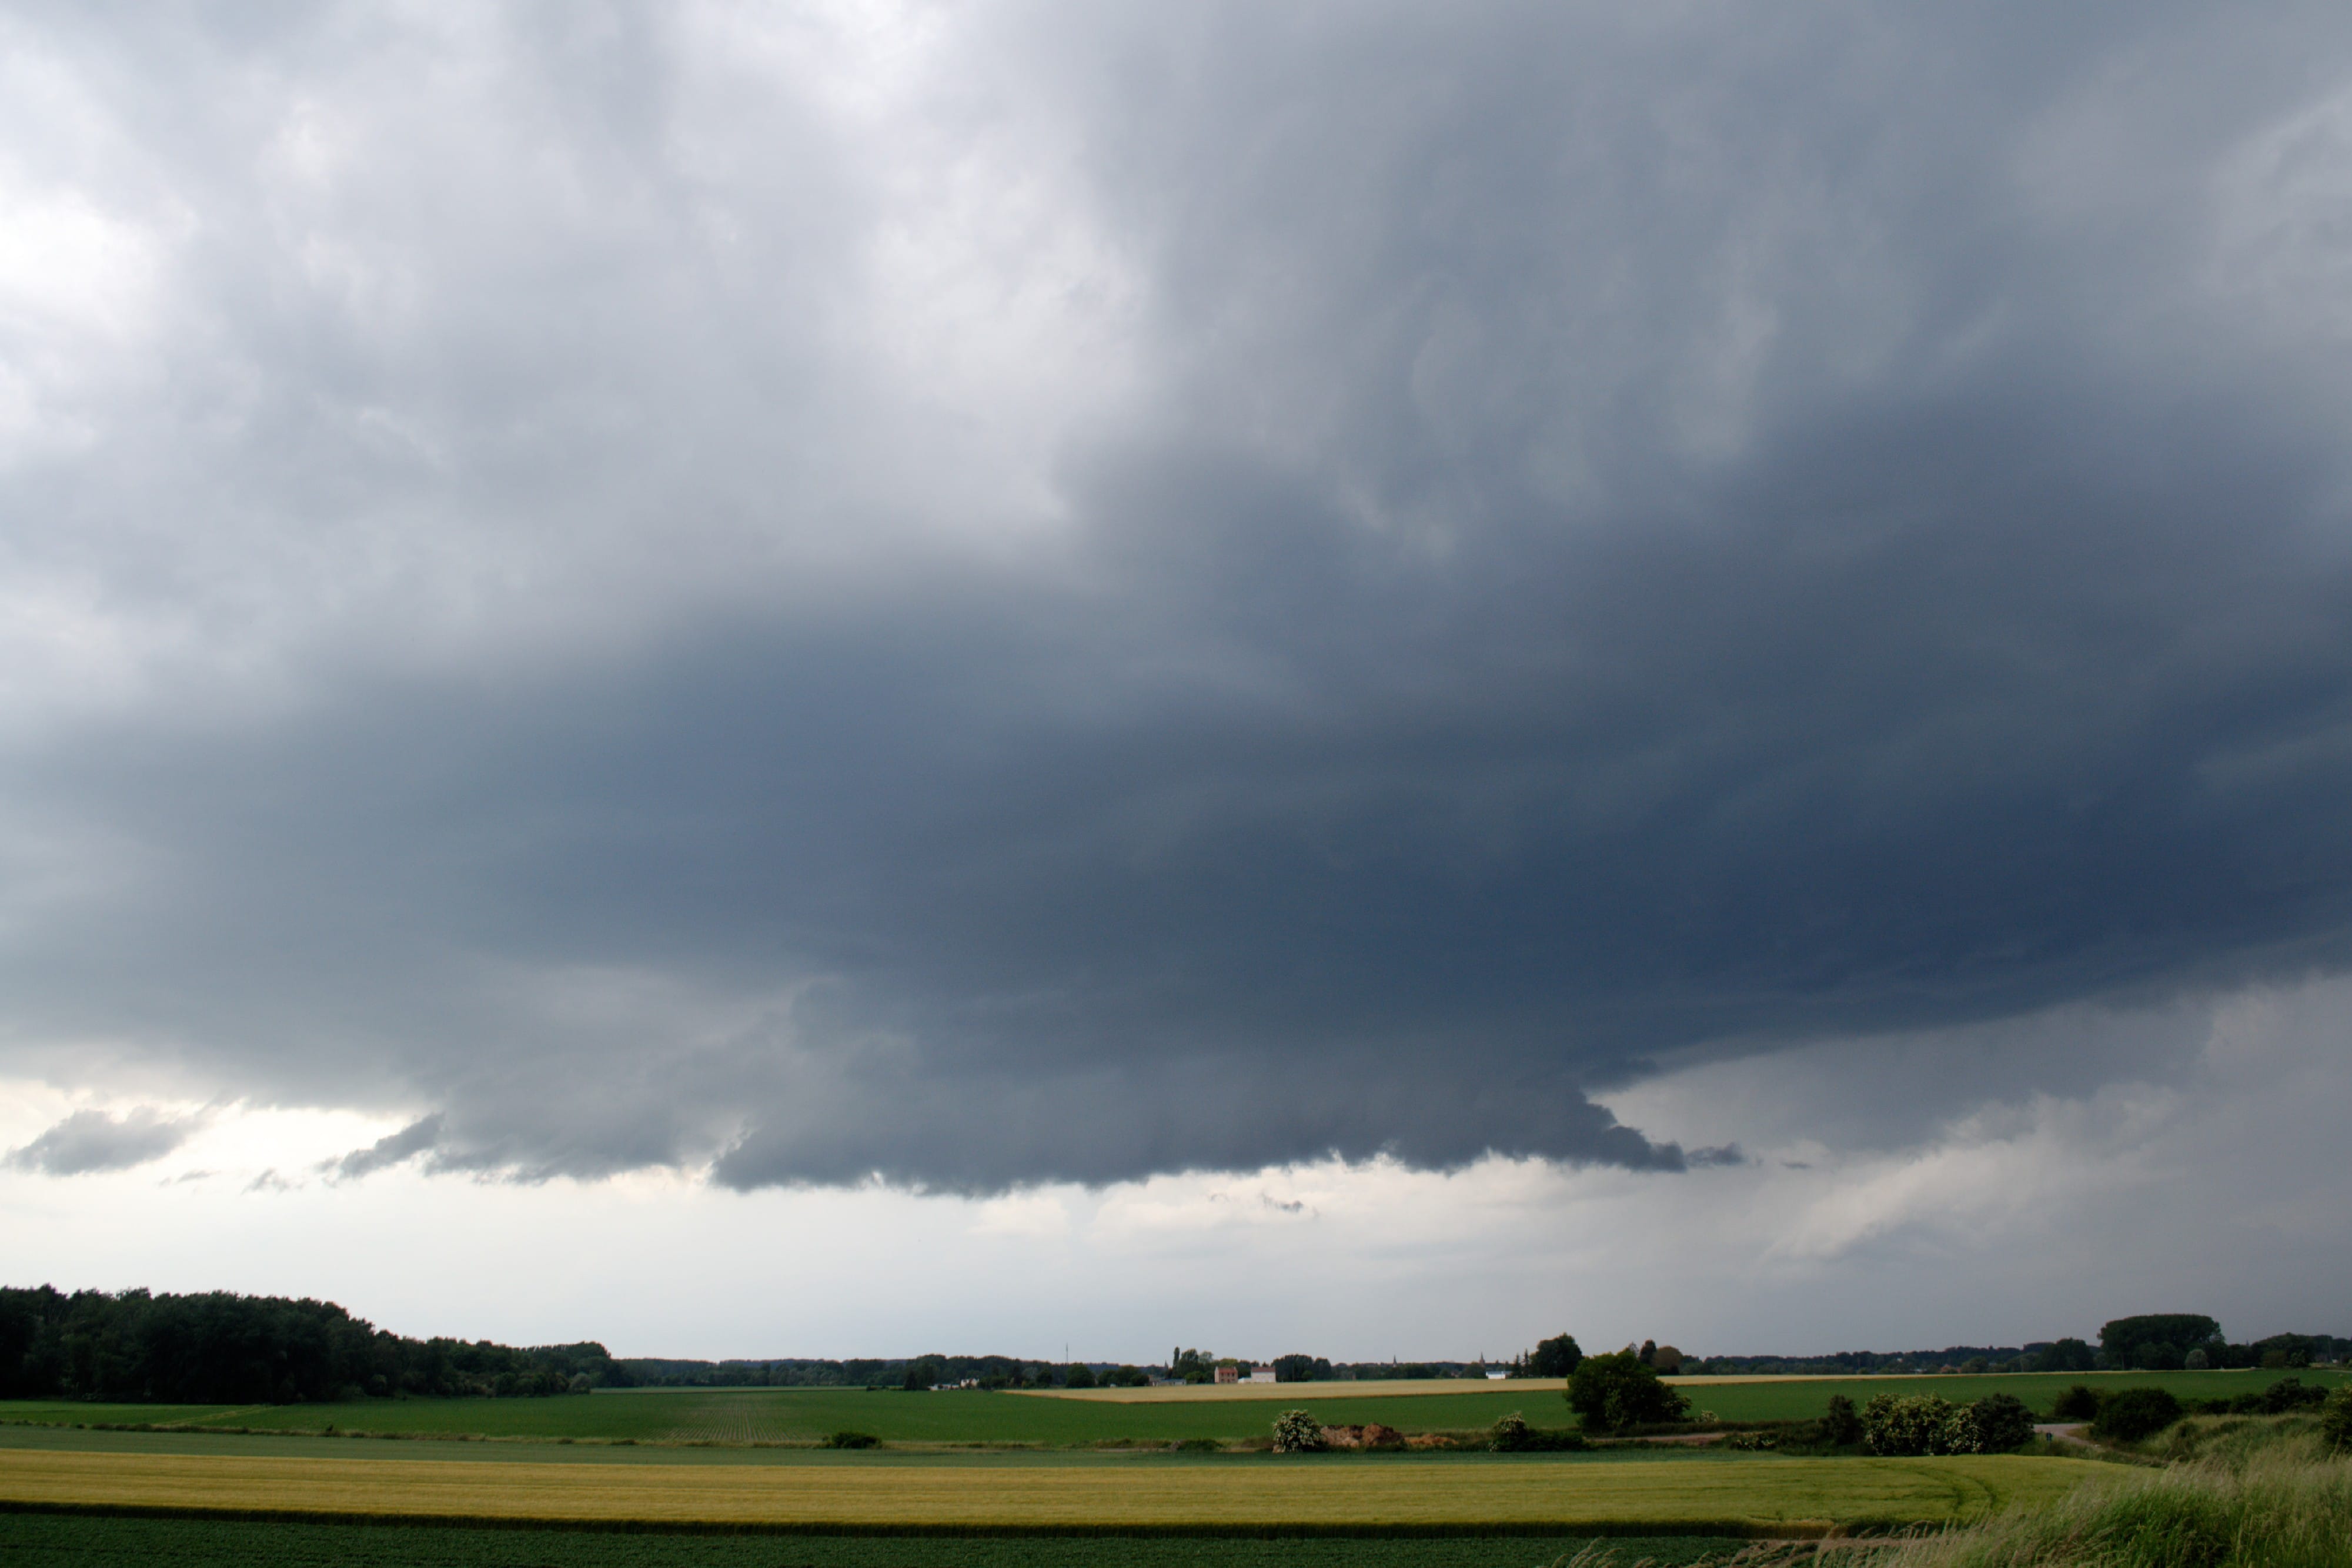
(1371, 678)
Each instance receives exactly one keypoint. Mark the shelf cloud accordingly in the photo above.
(1052, 594)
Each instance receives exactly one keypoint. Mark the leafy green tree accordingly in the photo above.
(1555, 1357)
(1080, 1375)
(1841, 1423)
(1613, 1392)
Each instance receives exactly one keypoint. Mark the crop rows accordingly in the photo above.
(1308, 1494)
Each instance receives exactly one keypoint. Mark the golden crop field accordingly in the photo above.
(1757, 1494)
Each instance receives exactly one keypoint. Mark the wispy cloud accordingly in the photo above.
(90, 1141)
(416, 1138)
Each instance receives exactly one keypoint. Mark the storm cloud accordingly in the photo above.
(1061, 594)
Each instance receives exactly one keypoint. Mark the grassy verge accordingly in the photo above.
(2259, 1495)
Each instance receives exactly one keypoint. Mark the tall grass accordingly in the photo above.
(2276, 1503)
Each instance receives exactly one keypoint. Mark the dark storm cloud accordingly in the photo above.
(91, 1141)
(1638, 538)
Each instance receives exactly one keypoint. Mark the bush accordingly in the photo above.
(2136, 1412)
(2336, 1421)
(1993, 1425)
(1915, 1425)
(1842, 1422)
(852, 1440)
(2288, 1393)
(1613, 1392)
(1927, 1424)
(1512, 1435)
(2080, 1403)
(1296, 1432)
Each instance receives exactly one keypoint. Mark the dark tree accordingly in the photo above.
(2064, 1356)
(2155, 1338)
(2079, 1403)
(2136, 1412)
(1555, 1357)
(1613, 1392)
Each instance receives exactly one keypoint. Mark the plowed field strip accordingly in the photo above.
(1312, 1494)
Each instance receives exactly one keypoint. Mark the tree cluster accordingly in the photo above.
(217, 1348)
(2169, 1341)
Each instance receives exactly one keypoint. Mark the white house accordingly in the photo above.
(1261, 1374)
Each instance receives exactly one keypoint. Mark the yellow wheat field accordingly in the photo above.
(1760, 1493)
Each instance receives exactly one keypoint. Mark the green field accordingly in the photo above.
(804, 1416)
(26, 1540)
(558, 1451)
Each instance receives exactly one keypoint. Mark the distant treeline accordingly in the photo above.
(2164, 1342)
(860, 1371)
(224, 1349)
(1000, 1372)
(886, 1371)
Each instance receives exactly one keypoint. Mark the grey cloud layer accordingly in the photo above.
(1561, 541)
